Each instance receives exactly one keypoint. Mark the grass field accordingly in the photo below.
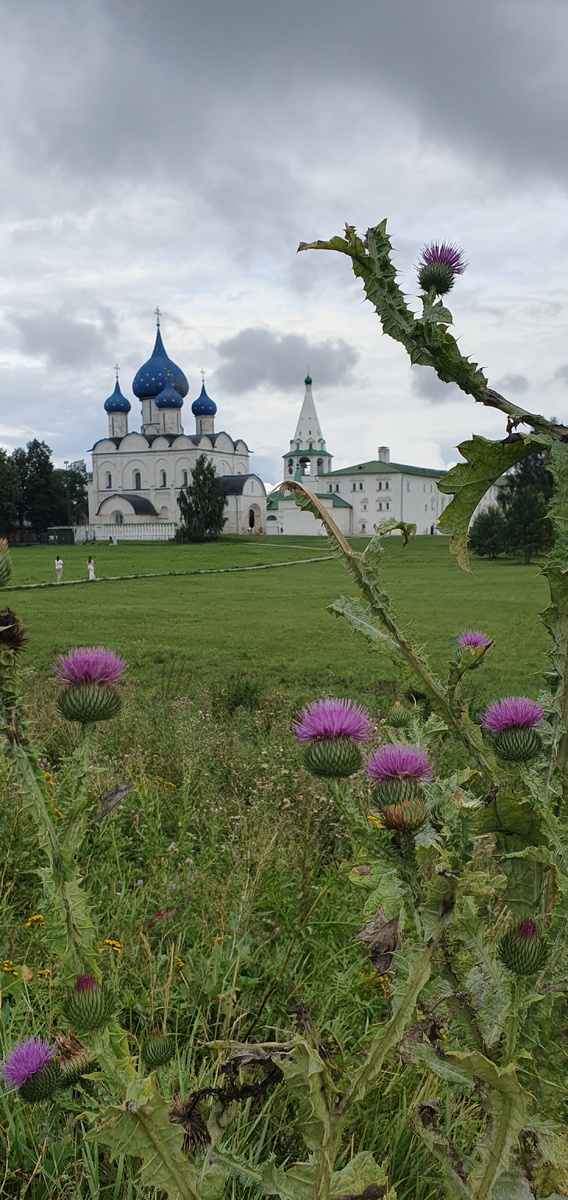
(226, 857)
(272, 624)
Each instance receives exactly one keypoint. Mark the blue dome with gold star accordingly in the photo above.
(117, 403)
(204, 406)
(168, 397)
(157, 373)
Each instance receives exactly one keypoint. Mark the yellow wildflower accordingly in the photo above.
(179, 963)
(32, 920)
(114, 945)
(374, 819)
(58, 813)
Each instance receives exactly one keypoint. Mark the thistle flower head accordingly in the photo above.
(527, 930)
(86, 983)
(89, 664)
(443, 252)
(26, 1059)
(399, 760)
(438, 265)
(13, 635)
(512, 712)
(331, 718)
(473, 638)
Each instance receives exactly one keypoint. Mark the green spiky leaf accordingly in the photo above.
(307, 1080)
(359, 617)
(360, 1173)
(468, 482)
(144, 1132)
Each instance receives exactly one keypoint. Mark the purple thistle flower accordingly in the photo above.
(526, 930)
(27, 1059)
(513, 712)
(445, 253)
(86, 983)
(473, 638)
(331, 718)
(399, 760)
(89, 664)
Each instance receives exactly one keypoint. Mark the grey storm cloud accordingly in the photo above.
(560, 375)
(255, 357)
(176, 153)
(64, 341)
(425, 383)
(512, 383)
(131, 90)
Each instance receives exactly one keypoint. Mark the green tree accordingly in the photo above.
(202, 504)
(9, 487)
(527, 525)
(40, 495)
(488, 533)
(70, 484)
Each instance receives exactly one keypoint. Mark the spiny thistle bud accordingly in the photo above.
(5, 563)
(397, 773)
(438, 266)
(408, 817)
(332, 758)
(30, 1069)
(331, 731)
(522, 950)
(13, 635)
(512, 721)
(89, 1006)
(398, 717)
(90, 673)
(88, 702)
(157, 1050)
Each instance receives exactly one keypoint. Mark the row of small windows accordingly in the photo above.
(137, 480)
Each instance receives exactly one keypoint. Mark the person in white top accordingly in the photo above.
(91, 567)
(58, 569)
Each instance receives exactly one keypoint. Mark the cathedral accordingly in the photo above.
(138, 474)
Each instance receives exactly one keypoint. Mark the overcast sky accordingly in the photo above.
(175, 153)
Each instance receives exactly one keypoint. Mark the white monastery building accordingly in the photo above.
(138, 474)
(358, 497)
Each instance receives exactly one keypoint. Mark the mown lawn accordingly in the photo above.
(273, 624)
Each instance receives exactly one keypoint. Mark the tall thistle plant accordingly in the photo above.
(466, 877)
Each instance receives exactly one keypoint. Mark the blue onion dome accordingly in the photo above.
(308, 379)
(168, 397)
(157, 372)
(204, 406)
(117, 403)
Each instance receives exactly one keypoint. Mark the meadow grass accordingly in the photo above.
(191, 630)
(220, 886)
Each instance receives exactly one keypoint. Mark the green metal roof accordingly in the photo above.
(336, 501)
(377, 467)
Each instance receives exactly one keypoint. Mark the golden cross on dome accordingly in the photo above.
(158, 315)
(117, 368)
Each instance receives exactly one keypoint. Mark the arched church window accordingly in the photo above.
(108, 480)
(320, 465)
(137, 481)
(184, 479)
(163, 480)
(290, 466)
(118, 518)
